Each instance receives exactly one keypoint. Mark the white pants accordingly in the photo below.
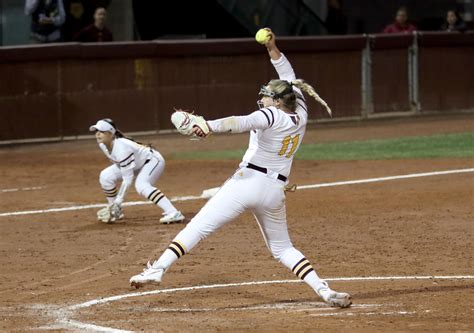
(265, 197)
(246, 189)
(145, 177)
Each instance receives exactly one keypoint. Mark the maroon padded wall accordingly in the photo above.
(446, 71)
(58, 90)
(390, 72)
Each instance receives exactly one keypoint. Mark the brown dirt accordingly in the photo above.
(411, 227)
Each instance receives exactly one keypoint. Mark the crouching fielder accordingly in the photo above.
(276, 131)
(130, 159)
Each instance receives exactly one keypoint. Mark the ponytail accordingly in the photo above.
(119, 134)
(283, 90)
(307, 88)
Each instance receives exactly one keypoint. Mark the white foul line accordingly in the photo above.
(6, 190)
(62, 315)
(65, 209)
(382, 179)
(204, 196)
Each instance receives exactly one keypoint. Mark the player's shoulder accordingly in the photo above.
(301, 103)
(271, 114)
(124, 142)
(122, 146)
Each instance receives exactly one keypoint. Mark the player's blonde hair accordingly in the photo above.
(283, 90)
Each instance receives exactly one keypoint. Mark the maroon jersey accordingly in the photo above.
(91, 34)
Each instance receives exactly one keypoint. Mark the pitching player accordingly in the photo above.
(276, 131)
(130, 159)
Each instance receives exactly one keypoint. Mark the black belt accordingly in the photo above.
(264, 170)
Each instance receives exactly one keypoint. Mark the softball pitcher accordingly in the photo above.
(130, 159)
(276, 131)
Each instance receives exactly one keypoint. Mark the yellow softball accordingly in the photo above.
(263, 35)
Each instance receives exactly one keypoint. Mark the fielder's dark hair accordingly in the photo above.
(119, 134)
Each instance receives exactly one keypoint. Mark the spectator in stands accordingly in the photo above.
(454, 22)
(401, 24)
(336, 20)
(96, 32)
(47, 17)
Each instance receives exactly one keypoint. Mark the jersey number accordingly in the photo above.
(286, 144)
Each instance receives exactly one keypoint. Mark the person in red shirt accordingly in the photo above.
(401, 24)
(96, 32)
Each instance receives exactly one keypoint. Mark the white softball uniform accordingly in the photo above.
(258, 184)
(132, 159)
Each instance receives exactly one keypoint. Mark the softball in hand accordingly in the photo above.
(263, 35)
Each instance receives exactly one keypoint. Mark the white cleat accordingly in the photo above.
(334, 298)
(174, 217)
(149, 275)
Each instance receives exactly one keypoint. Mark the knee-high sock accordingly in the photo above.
(159, 199)
(110, 194)
(184, 242)
(301, 267)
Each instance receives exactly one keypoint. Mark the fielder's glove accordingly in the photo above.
(110, 213)
(186, 123)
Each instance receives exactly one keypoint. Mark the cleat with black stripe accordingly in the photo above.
(334, 298)
(150, 275)
(174, 217)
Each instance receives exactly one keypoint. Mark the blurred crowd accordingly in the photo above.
(68, 20)
(401, 23)
(86, 20)
(337, 22)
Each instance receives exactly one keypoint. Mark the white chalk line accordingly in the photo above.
(8, 190)
(257, 283)
(351, 314)
(63, 315)
(205, 194)
(292, 306)
(382, 179)
(73, 208)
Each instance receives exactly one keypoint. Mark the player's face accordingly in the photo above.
(266, 99)
(104, 137)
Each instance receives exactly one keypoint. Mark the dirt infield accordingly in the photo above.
(53, 262)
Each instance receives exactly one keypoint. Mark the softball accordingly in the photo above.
(263, 35)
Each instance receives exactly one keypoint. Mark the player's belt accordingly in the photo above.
(265, 171)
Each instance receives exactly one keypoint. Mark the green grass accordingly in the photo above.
(435, 146)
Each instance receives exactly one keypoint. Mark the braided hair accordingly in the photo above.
(283, 90)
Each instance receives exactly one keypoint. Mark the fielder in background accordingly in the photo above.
(130, 159)
(276, 131)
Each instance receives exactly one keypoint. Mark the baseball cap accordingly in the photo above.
(102, 126)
